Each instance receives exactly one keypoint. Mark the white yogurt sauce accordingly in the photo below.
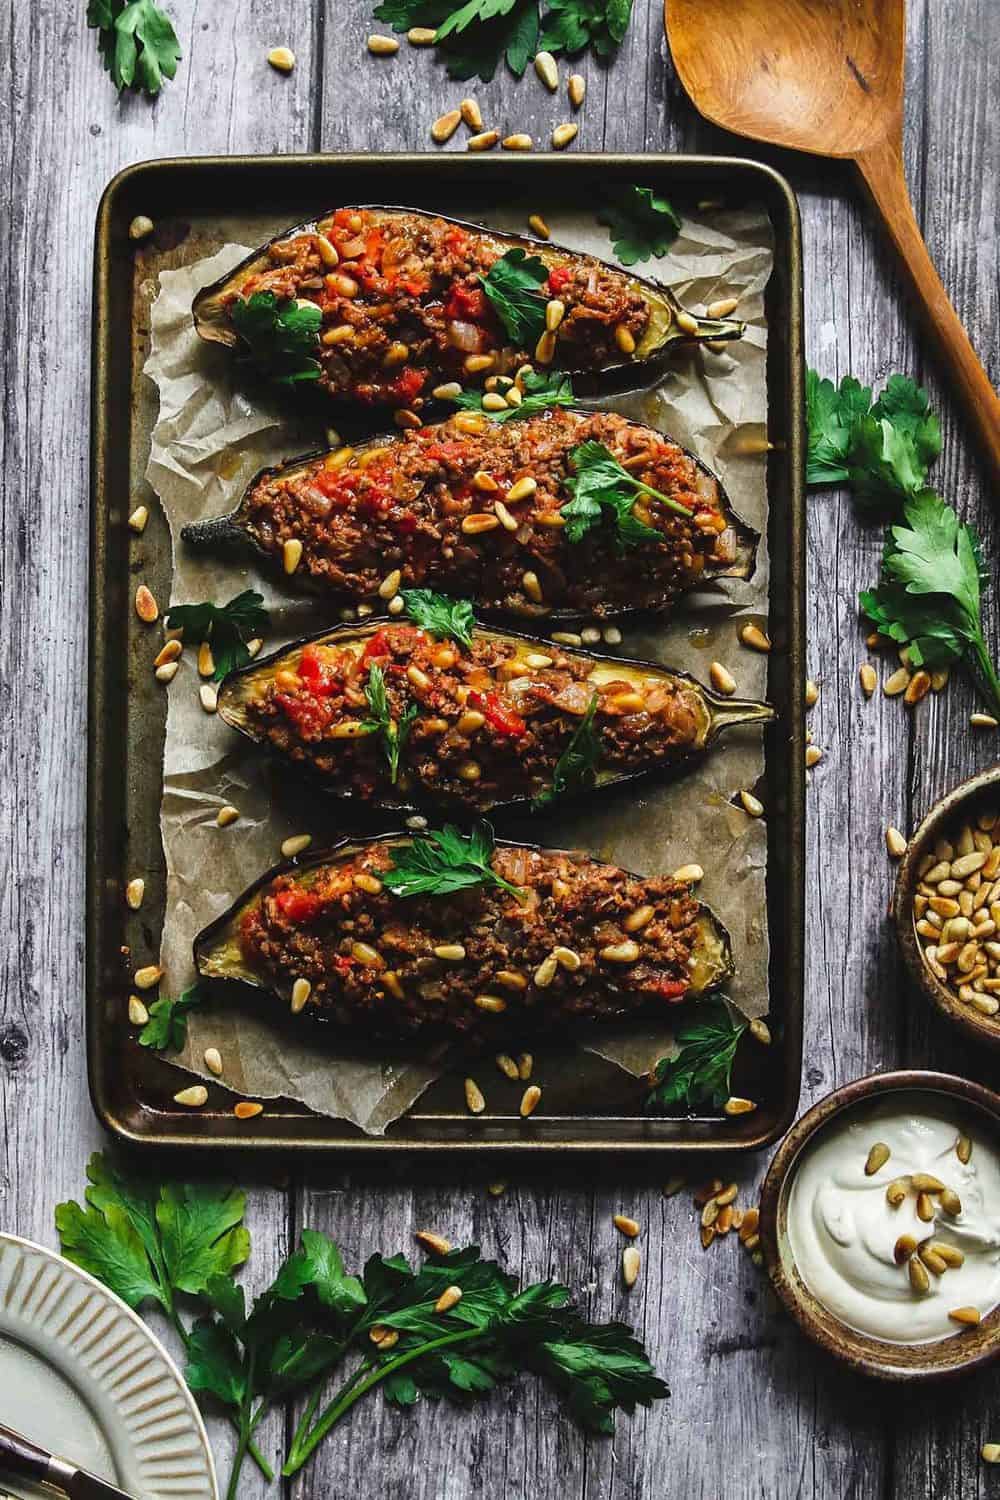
(842, 1230)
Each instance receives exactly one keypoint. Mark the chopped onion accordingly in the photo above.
(464, 336)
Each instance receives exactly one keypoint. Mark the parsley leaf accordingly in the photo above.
(576, 767)
(473, 36)
(443, 861)
(642, 223)
(202, 1233)
(883, 450)
(226, 627)
(167, 1024)
(137, 43)
(394, 736)
(512, 284)
(600, 484)
(105, 1242)
(930, 596)
(831, 413)
(572, 25)
(281, 336)
(700, 1071)
(540, 393)
(443, 618)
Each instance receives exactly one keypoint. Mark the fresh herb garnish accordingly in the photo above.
(474, 36)
(167, 1024)
(576, 767)
(929, 597)
(137, 42)
(700, 1071)
(281, 336)
(572, 25)
(540, 392)
(444, 618)
(512, 284)
(226, 627)
(883, 450)
(445, 860)
(394, 735)
(599, 484)
(642, 223)
(831, 413)
(151, 1245)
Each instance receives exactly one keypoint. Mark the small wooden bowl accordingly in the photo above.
(968, 799)
(967, 1349)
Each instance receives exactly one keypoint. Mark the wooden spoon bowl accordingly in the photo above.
(826, 76)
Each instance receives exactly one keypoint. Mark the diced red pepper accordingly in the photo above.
(298, 905)
(674, 989)
(377, 646)
(317, 673)
(559, 278)
(343, 963)
(502, 718)
(310, 715)
(467, 303)
(407, 385)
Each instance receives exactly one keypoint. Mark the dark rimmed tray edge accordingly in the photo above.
(107, 676)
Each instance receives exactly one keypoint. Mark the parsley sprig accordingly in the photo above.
(512, 284)
(882, 449)
(443, 618)
(600, 484)
(475, 35)
(444, 861)
(700, 1071)
(394, 734)
(137, 43)
(576, 768)
(573, 25)
(540, 393)
(226, 627)
(167, 1024)
(173, 1243)
(642, 223)
(280, 335)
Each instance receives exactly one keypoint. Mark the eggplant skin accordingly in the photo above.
(445, 508)
(492, 718)
(403, 308)
(584, 942)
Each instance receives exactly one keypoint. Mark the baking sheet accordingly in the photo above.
(209, 440)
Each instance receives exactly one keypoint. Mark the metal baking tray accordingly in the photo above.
(191, 198)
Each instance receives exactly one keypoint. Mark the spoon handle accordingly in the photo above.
(882, 171)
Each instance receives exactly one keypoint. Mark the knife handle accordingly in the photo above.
(22, 1458)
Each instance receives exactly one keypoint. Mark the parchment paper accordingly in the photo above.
(209, 440)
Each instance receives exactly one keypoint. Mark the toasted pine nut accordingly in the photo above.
(448, 1298)
(531, 585)
(517, 142)
(919, 1279)
(383, 46)
(484, 142)
(689, 874)
(494, 1005)
(555, 311)
(450, 391)
(137, 520)
(193, 1097)
(624, 339)
(538, 226)
(471, 114)
(148, 977)
(475, 1100)
(917, 688)
(367, 955)
(291, 554)
(563, 135)
(213, 1061)
(330, 256)
(687, 323)
(983, 721)
(282, 59)
(146, 606)
(812, 693)
(896, 1192)
(525, 1063)
(450, 952)
(479, 521)
(951, 1203)
(752, 805)
(137, 1012)
(737, 1106)
(547, 70)
(141, 227)
(897, 682)
(754, 637)
(567, 958)
(493, 401)
(869, 678)
(751, 1219)
(620, 953)
(721, 679)
(301, 990)
(813, 756)
(963, 1149)
(506, 1064)
(370, 884)
(168, 653)
(529, 1100)
(226, 815)
(444, 126)
(970, 1316)
(545, 348)
(521, 489)
(576, 88)
(631, 1263)
(209, 697)
(877, 1158)
(206, 661)
(297, 844)
(247, 1109)
(722, 308)
(546, 972)
(421, 36)
(134, 892)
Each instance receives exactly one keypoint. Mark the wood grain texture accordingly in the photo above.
(753, 1410)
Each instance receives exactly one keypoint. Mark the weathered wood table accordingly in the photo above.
(754, 1410)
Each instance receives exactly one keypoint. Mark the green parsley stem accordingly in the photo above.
(674, 505)
(231, 1418)
(247, 1423)
(355, 1389)
(985, 670)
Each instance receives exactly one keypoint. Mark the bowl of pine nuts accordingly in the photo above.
(946, 906)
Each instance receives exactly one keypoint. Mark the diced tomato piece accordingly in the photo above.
(317, 673)
(502, 718)
(343, 963)
(298, 905)
(456, 239)
(559, 279)
(674, 989)
(403, 521)
(468, 303)
(310, 715)
(377, 646)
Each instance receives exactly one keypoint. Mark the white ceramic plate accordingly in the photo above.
(84, 1377)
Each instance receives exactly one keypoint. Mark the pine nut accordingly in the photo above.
(370, 884)
(567, 958)
(919, 1279)
(494, 1005)
(904, 1247)
(301, 990)
(506, 1064)
(932, 1261)
(342, 334)
(517, 142)
(538, 226)
(206, 661)
(990, 1453)
(529, 1100)
(475, 364)
(813, 756)
(478, 522)
(576, 88)
(754, 637)
(484, 142)
(365, 954)
(925, 1207)
(564, 134)
(507, 521)
(963, 1149)
(950, 1254)
(134, 892)
(450, 952)
(970, 1316)
(475, 1100)
(631, 1263)
(330, 256)
(897, 682)
(760, 1031)
(137, 520)
(471, 114)
(213, 1061)
(687, 323)
(209, 697)
(193, 1097)
(555, 311)
(531, 586)
(983, 721)
(896, 1192)
(722, 679)
(521, 489)
(282, 59)
(628, 1227)
(421, 36)
(545, 349)
(707, 1233)
(624, 339)
(737, 1106)
(511, 980)
(722, 308)
(493, 401)
(748, 1228)
(620, 953)
(752, 805)
(450, 391)
(247, 1109)
(546, 972)
(547, 70)
(148, 977)
(470, 770)
(877, 1158)
(291, 555)
(869, 678)
(525, 1063)
(168, 653)
(146, 606)
(297, 844)
(639, 918)
(137, 1012)
(140, 228)
(917, 688)
(226, 815)
(383, 46)
(689, 874)
(448, 1299)
(444, 126)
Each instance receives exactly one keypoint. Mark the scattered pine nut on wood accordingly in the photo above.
(167, 672)
(754, 637)
(813, 756)
(631, 1262)
(421, 36)
(226, 815)
(134, 892)
(167, 653)
(193, 1097)
(247, 1109)
(895, 842)
(209, 697)
(760, 1031)
(137, 520)
(990, 1453)
(141, 227)
(282, 59)
(721, 678)
(471, 114)
(148, 977)
(563, 135)
(137, 1012)
(519, 141)
(484, 142)
(983, 721)
(538, 226)
(382, 46)
(897, 682)
(628, 1227)
(444, 126)
(868, 677)
(547, 70)
(206, 661)
(436, 1244)
(812, 693)
(529, 1100)
(146, 606)
(576, 88)
(917, 688)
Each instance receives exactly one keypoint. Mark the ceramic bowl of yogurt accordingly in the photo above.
(880, 1224)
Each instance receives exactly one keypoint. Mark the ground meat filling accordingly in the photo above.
(491, 720)
(447, 507)
(403, 306)
(587, 942)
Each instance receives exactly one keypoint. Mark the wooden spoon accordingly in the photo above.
(827, 78)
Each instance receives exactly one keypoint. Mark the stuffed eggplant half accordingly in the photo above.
(450, 936)
(405, 301)
(564, 514)
(391, 715)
